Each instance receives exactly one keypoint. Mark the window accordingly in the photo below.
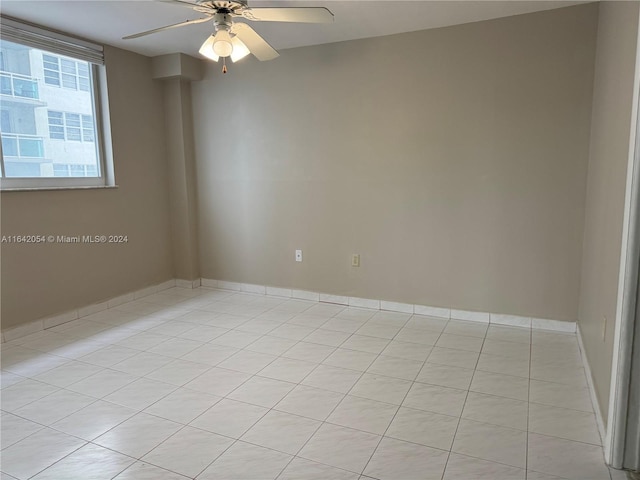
(74, 127)
(51, 70)
(53, 106)
(70, 170)
(88, 134)
(63, 72)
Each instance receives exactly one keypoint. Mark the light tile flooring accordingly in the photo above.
(212, 384)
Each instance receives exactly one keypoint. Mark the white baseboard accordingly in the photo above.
(511, 320)
(304, 295)
(364, 303)
(556, 325)
(35, 326)
(373, 304)
(205, 282)
(236, 287)
(257, 289)
(592, 391)
(438, 312)
(278, 292)
(482, 317)
(396, 307)
(337, 299)
(431, 311)
(188, 283)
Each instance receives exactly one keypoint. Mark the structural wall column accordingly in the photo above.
(177, 71)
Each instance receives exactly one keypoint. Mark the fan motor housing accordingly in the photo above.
(222, 21)
(221, 6)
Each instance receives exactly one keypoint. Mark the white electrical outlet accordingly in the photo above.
(298, 255)
(355, 260)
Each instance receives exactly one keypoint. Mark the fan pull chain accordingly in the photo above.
(224, 65)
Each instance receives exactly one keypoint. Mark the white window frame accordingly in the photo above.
(68, 166)
(59, 73)
(65, 127)
(35, 36)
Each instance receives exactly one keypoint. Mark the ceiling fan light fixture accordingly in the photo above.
(237, 40)
(222, 45)
(240, 50)
(206, 49)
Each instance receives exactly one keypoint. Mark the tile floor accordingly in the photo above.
(211, 384)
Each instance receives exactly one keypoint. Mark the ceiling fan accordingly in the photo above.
(236, 39)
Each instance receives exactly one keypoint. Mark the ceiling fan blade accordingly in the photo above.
(254, 42)
(180, 2)
(296, 14)
(175, 25)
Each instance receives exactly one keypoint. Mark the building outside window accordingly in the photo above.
(66, 73)
(50, 121)
(71, 126)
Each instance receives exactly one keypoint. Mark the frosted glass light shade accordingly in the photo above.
(222, 45)
(207, 49)
(240, 50)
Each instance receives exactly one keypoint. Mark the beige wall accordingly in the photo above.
(452, 160)
(182, 190)
(610, 129)
(42, 280)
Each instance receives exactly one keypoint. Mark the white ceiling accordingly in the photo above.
(108, 21)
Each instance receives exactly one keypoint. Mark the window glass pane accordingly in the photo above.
(83, 84)
(20, 169)
(5, 85)
(73, 134)
(68, 66)
(25, 88)
(55, 118)
(68, 81)
(56, 133)
(50, 60)
(5, 123)
(9, 146)
(77, 170)
(51, 78)
(51, 124)
(56, 125)
(51, 70)
(88, 136)
(31, 147)
(72, 119)
(83, 76)
(87, 129)
(60, 170)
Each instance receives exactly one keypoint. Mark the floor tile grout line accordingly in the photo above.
(88, 442)
(183, 427)
(137, 412)
(256, 422)
(182, 386)
(404, 325)
(174, 359)
(455, 433)
(395, 414)
(71, 453)
(336, 406)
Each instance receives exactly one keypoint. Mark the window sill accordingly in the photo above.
(40, 189)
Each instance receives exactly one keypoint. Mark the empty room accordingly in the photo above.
(319, 240)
